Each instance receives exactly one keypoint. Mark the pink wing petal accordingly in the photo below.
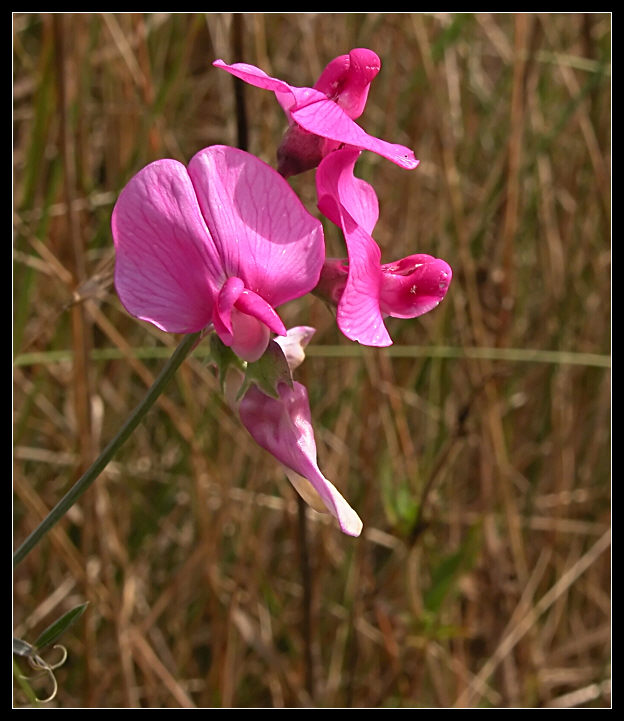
(254, 305)
(222, 313)
(284, 428)
(262, 232)
(330, 80)
(324, 117)
(359, 316)
(254, 76)
(352, 204)
(338, 187)
(166, 269)
(243, 319)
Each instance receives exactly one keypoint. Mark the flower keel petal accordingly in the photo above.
(414, 285)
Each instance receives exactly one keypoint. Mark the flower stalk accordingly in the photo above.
(85, 481)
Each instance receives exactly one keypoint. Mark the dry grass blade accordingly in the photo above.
(527, 621)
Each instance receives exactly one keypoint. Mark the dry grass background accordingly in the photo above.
(476, 449)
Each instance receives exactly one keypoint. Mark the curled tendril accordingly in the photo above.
(43, 667)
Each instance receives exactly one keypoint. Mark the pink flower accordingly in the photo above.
(284, 428)
(364, 290)
(224, 241)
(321, 119)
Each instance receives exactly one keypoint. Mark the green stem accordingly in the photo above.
(81, 485)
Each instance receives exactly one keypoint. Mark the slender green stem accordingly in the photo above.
(510, 355)
(81, 485)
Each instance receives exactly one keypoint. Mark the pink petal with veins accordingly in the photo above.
(262, 232)
(338, 191)
(352, 204)
(254, 76)
(359, 316)
(167, 270)
(224, 241)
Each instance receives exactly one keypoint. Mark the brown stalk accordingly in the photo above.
(242, 127)
(149, 660)
(497, 474)
(81, 330)
(82, 341)
(517, 629)
(306, 581)
(517, 107)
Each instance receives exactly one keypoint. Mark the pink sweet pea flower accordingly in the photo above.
(283, 427)
(364, 290)
(321, 119)
(224, 241)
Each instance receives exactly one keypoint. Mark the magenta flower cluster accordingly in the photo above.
(222, 243)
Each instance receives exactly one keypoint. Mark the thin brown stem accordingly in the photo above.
(242, 127)
(306, 578)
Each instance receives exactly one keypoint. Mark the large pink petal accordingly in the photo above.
(284, 428)
(166, 271)
(262, 232)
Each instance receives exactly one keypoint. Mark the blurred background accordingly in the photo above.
(476, 449)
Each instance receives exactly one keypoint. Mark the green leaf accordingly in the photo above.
(59, 626)
(400, 505)
(448, 572)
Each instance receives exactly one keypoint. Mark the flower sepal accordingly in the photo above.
(236, 376)
(224, 358)
(268, 372)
